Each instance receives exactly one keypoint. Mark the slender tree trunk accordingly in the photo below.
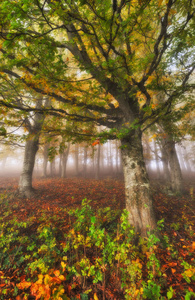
(186, 160)
(85, 162)
(156, 159)
(181, 160)
(64, 161)
(166, 172)
(117, 156)
(147, 154)
(111, 161)
(25, 182)
(120, 160)
(45, 159)
(97, 168)
(76, 159)
(175, 170)
(137, 187)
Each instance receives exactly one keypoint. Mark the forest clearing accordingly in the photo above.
(56, 246)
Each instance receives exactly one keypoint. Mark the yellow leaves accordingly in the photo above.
(173, 11)
(40, 279)
(160, 2)
(95, 297)
(137, 263)
(189, 272)
(153, 137)
(151, 78)
(63, 265)
(138, 292)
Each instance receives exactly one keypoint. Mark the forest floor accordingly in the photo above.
(57, 246)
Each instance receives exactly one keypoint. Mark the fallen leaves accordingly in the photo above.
(55, 197)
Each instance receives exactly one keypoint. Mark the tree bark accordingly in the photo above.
(166, 172)
(64, 161)
(137, 187)
(85, 162)
(175, 170)
(97, 168)
(186, 160)
(117, 156)
(34, 125)
(156, 156)
(45, 159)
(76, 159)
(25, 183)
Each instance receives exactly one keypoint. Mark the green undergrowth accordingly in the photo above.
(88, 254)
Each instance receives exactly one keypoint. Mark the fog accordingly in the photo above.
(99, 161)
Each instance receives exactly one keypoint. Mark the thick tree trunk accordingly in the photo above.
(34, 124)
(25, 182)
(137, 187)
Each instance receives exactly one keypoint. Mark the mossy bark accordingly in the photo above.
(137, 186)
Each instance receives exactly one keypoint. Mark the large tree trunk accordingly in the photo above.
(25, 182)
(137, 187)
(34, 125)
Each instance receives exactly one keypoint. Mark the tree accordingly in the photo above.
(34, 125)
(128, 47)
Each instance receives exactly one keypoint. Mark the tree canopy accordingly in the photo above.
(125, 48)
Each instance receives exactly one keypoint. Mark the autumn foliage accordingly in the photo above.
(59, 246)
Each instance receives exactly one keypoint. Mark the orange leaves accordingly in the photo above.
(45, 286)
(173, 270)
(95, 297)
(24, 285)
(193, 245)
(97, 142)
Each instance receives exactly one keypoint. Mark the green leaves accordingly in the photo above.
(3, 131)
